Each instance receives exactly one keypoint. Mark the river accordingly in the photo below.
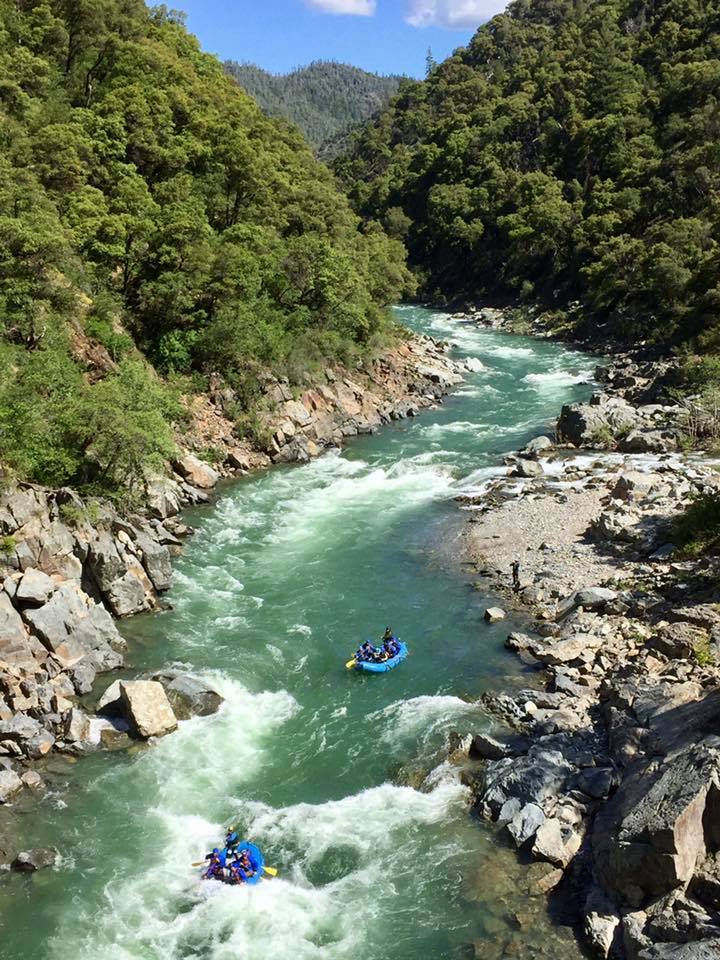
(288, 571)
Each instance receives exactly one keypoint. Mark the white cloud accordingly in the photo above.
(452, 14)
(355, 8)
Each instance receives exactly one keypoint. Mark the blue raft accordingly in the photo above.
(256, 858)
(385, 665)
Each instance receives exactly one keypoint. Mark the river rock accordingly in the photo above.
(633, 485)
(543, 772)
(485, 747)
(648, 441)
(111, 702)
(595, 782)
(38, 859)
(584, 424)
(155, 559)
(538, 445)
(556, 842)
(77, 726)
(147, 708)
(10, 785)
(189, 696)
(527, 469)
(542, 877)
(494, 614)
(35, 588)
(677, 640)
(525, 823)
(602, 925)
(196, 472)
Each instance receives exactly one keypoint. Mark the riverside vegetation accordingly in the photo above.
(156, 227)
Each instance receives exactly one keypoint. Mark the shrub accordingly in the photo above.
(697, 530)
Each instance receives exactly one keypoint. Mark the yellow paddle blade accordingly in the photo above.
(271, 870)
(351, 663)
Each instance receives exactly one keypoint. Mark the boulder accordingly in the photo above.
(162, 497)
(147, 708)
(602, 925)
(35, 588)
(659, 838)
(542, 773)
(595, 782)
(32, 780)
(110, 703)
(10, 784)
(528, 469)
(583, 424)
(19, 728)
(155, 559)
(538, 445)
(189, 696)
(543, 877)
(634, 485)
(590, 598)
(485, 747)
(494, 614)
(677, 640)
(77, 726)
(31, 860)
(556, 842)
(525, 823)
(648, 441)
(196, 472)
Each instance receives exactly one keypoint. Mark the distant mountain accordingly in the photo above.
(325, 99)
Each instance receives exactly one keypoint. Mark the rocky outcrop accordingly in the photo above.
(618, 785)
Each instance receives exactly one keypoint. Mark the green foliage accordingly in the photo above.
(703, 653)
(697, 530)
(570, 151)
(75, 516)
(7, 545)
(325, 99)
(147, 202)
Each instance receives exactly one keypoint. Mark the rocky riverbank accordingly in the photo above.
(606, 769)
(69, 568)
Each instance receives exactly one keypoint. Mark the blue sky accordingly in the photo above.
(387, 36)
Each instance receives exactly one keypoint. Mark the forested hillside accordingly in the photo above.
(150, 211)
(572, 150)
(325, 99)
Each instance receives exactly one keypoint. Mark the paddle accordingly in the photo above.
(351, 663)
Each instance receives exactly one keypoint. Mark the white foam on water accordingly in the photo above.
(506, 351)
(474, 365)
(386, 812)
(230, 622)
(425, 715)
(452, 426)
(301, 628)
(556, 379)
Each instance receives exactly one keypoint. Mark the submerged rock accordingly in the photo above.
(38, 859)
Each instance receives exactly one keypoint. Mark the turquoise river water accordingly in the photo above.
(289, 569)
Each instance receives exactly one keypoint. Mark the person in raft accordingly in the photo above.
(231, 841)
(390, 647)
(242, 868)
(216, 866)
(366, 652)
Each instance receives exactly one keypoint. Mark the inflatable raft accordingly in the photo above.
(256, 858)
(386, 665)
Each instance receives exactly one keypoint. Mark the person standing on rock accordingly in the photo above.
(516, 576)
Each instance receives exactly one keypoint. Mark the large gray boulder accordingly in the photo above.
(556, 842)
(584, 424)
(147, 708)
(189, 696)
(543, 772)
(652, 835)
(526, 823)
(34, 588)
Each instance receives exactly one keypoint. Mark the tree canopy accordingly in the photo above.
(325, 99)
(570, 151)
(147, 203)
